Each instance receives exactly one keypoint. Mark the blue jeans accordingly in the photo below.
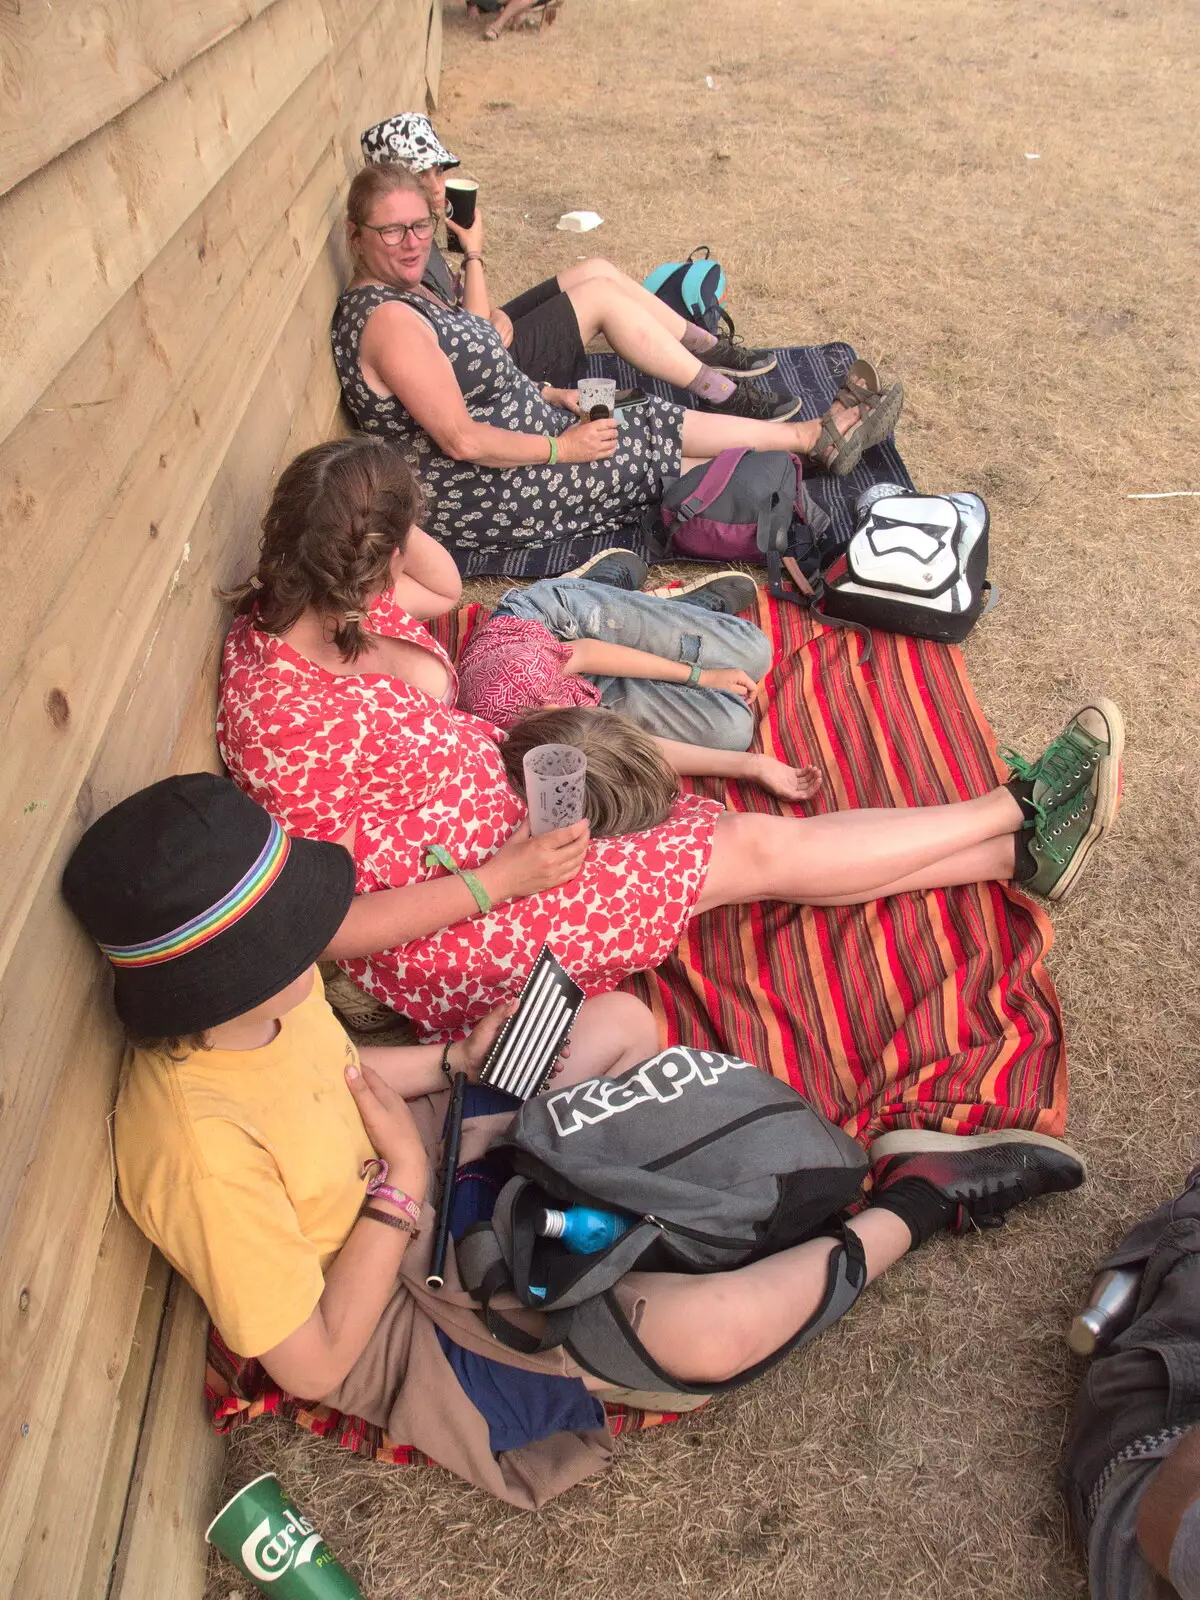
(573, 608)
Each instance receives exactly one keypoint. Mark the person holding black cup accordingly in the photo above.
(547, 328)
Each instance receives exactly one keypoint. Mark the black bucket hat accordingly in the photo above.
(203, 905)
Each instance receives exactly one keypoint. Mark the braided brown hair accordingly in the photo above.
(338, 512)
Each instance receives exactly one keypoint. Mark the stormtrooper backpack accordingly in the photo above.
(916, 564)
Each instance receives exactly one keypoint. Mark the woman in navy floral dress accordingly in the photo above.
(504, 464)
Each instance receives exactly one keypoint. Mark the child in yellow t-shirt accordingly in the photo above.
(249, 1129)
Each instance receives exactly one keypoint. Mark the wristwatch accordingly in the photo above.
(375, 1171)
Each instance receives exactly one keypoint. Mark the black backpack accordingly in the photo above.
(694, 289)
(720, 1163)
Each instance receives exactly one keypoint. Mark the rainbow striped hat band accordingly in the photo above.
(230, 908)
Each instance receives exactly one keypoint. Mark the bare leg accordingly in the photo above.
(633, 332)
(845, 856)
(612, 1033)
(707, 433)
(993, 861)
(513, 12)
(597, 267)
(708, 1329)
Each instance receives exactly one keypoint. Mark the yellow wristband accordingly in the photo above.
(552, 459)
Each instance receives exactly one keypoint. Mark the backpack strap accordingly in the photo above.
(714, 482)
(602, 1339)
(811, 594)
(485, 1275)
(693, 254)
(693, 282)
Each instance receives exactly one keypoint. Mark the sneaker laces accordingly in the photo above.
(1062, 759)
(1042, 839)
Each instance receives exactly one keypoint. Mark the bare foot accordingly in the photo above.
(843, 418)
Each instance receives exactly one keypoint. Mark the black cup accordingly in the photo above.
(460, 206)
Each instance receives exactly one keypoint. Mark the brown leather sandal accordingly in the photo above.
(846, 448)
(880, 409)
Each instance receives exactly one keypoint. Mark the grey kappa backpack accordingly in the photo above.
(720, 1162)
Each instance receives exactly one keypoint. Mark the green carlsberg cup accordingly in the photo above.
(266, 1536)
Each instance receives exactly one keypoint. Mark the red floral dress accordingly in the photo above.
(324, 753)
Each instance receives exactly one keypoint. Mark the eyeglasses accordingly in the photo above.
(398, 232)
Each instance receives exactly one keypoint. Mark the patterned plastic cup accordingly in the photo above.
(555, 777)
(269, 1539)
(597, 397)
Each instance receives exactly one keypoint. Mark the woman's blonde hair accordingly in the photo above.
(374, 184)
(629, 785)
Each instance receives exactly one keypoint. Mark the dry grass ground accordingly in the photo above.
(862, 172)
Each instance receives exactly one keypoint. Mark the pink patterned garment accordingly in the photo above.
(324, 753)
(512, 665)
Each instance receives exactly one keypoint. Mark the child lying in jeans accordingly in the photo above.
(681, 664)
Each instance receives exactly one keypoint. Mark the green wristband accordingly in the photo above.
(482, 899)
(693, 676)
(438, 856)
(553, 457)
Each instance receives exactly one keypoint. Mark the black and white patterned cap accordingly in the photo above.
(408, 140)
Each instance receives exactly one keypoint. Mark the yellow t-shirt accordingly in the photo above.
(243, 1166)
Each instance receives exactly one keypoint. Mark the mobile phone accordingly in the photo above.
(628, 399)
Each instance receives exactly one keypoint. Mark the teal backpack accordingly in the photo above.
(694, 289)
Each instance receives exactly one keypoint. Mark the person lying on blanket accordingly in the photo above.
(287, 1175)
(337, 713)
(678, 661)
(547, 327)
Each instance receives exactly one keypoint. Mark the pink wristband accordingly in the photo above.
(376, 1171)
(403, 1202)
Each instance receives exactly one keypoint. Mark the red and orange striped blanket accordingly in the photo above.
(930, 1009)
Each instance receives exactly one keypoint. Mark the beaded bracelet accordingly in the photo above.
(438, 856)
(445, 1061)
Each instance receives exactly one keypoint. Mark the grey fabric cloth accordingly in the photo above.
(574, 608)
(1136, 1402)
(481, 509)
(441, 277)
(1117, 1569)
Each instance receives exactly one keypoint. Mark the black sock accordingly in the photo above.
(1021, 790)
(923, 1209)
(1024, 862)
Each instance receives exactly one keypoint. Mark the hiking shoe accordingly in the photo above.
(1089, 746)
(736, 361)
(620, 569)
(726, 592)
(983, 1176)
(761, 405)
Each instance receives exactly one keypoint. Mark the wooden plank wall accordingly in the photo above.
(171, 181)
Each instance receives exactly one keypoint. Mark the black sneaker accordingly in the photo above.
(726, 592)
(736, 361)
(985, 1175)
(620, 569)
(762, 405)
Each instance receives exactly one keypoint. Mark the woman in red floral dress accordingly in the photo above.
(337, 715)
